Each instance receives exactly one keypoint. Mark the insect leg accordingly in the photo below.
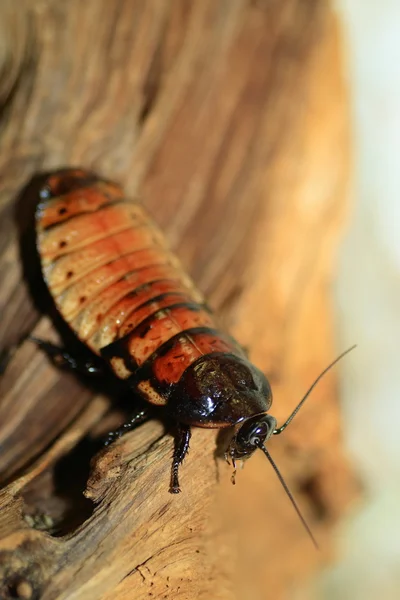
(181, 449)
(137, 418)
(63, 359)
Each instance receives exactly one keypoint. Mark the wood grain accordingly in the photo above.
(229, 119)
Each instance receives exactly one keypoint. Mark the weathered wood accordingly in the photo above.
(229, 119)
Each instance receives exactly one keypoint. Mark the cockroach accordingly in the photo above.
(125, 295)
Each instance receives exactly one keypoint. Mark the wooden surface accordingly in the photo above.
(228, 118)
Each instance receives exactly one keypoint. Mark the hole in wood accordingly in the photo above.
(54, 501)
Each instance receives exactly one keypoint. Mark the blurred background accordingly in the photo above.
(367, 302)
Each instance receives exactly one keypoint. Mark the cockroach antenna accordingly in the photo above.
(283, 427)
(289, 494)
(300, 404)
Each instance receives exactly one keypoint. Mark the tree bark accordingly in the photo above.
(229, 120)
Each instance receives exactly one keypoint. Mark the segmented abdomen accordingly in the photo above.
(118, 286)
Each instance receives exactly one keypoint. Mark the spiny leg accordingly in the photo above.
(140, 416)
(61, 358)
(181, 449)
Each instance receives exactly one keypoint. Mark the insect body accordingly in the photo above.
(126, 297)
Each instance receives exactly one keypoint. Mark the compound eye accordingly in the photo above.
(259, 433)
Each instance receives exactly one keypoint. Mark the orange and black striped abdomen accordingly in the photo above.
(118, 286)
